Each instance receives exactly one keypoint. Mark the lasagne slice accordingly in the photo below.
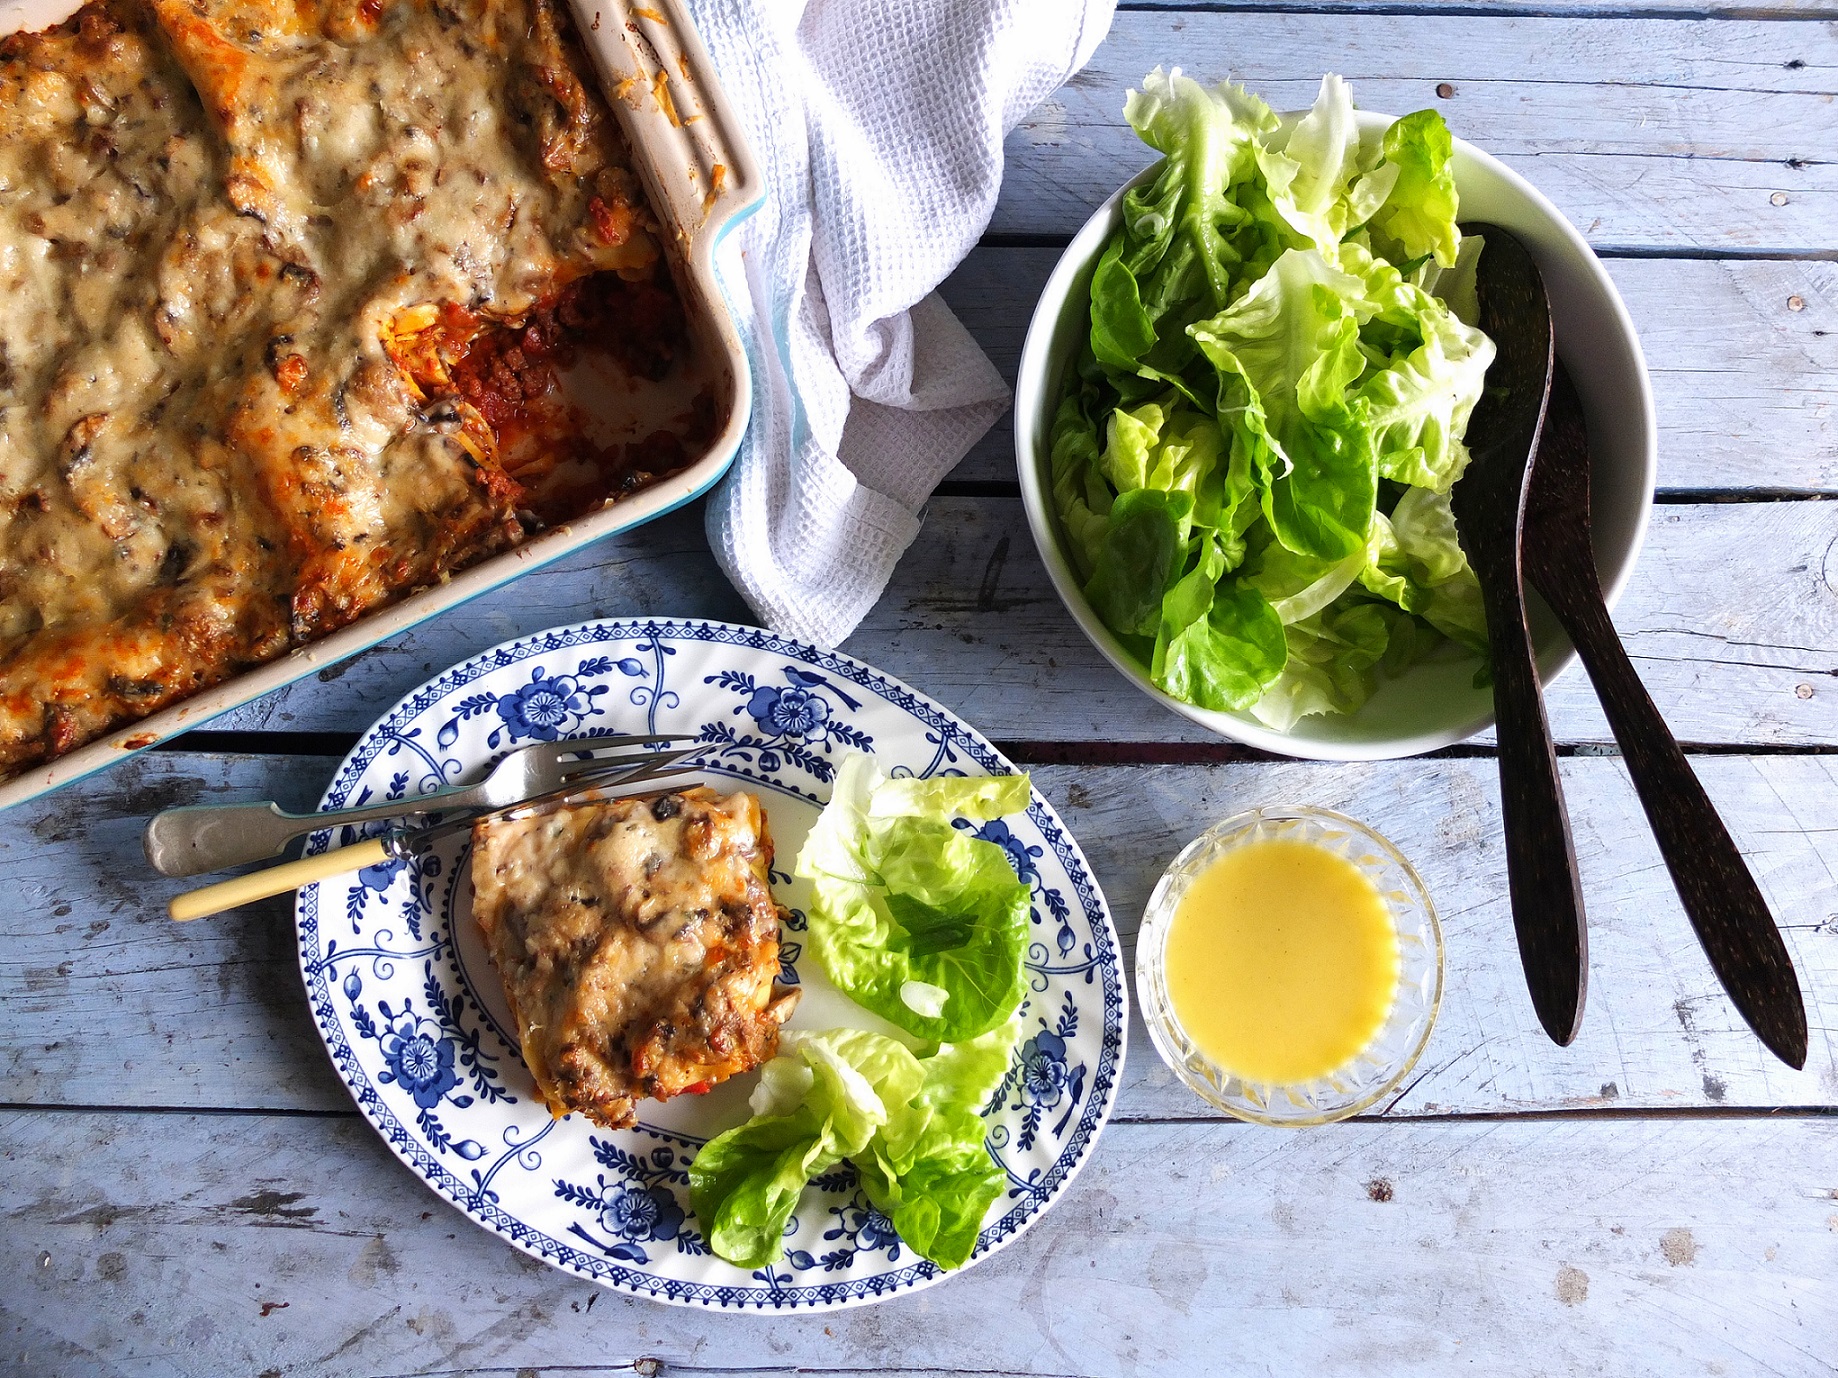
(638, 943)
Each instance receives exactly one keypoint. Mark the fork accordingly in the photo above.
(403, 844)
(201, 838)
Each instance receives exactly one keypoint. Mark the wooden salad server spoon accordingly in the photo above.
(1714, 884)
(1489, 507)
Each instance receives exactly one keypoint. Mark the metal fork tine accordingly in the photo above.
(587, 792)
(654, 777)
(583, 789)
(589, 780)
(647, 763)
(658, 766)
(587, 789)
(581, 745)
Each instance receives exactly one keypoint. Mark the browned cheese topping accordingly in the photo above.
(638, 942)
(223, 225)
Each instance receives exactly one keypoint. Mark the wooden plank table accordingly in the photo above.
(189, 1191)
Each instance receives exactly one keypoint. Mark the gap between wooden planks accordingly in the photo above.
(302, 1245)
(1650, 134)
(109, 1003)
(1732, 618)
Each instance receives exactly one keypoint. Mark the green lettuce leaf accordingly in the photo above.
(1139, 559)
(1426, 374)
(1121, 330)
(814, 1107)
(1419, 214)
(1315, 181)
(1332, 665)
(744, 1184)
(928, 1170)
(1455, 287)
(1431, 549)
(1225, 657)
(1299, 586)
(1174, 257)
(1285, 354)
(1079, 492)
(1387, 571)
(1133, 437)
(910, 1123)
(904, 904)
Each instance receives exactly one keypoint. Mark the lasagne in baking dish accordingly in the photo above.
(638, 942)
(291, 290)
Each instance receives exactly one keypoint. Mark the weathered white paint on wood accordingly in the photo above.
(150, 1245)
(1629, 1242)
(1732, 618)
(109, 1003)
(1647, 133)
(1744, 379)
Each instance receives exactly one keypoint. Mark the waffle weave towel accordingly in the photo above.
(878, 127)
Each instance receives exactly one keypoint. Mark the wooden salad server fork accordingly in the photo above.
(1714, 884)
(1489, 507)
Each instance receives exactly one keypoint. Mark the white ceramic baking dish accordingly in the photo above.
(702, 179)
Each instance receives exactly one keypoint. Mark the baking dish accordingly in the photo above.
(702, 180)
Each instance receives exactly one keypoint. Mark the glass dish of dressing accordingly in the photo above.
(1289, 966)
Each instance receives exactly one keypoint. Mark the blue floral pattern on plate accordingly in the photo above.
(642, 1203)
(413, 1017)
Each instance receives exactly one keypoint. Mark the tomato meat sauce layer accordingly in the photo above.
(507, 381)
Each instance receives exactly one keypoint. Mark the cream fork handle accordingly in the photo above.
(276, 880)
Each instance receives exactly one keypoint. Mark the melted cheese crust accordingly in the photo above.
(219, 222)
(638, 942)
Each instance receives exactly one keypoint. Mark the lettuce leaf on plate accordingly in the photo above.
(811, 1111)
(905, 905)
(909, 1122)
(928, 1171)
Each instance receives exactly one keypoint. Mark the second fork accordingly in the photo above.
(201, 838)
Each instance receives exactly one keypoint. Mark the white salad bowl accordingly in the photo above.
(1435, 703)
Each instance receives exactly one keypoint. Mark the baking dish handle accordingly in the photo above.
(654, 68)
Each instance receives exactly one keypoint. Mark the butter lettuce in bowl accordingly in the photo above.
(1242, 406)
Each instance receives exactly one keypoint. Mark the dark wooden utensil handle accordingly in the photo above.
(1547, 898)
(1489, 505)
(1718, 892)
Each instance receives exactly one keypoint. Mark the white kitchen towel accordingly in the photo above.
(878, 126)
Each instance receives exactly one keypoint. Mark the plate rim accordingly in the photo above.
(489, 1215)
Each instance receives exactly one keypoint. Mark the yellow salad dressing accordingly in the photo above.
(1282, 961)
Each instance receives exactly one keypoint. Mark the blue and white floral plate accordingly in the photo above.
(415, 1019)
